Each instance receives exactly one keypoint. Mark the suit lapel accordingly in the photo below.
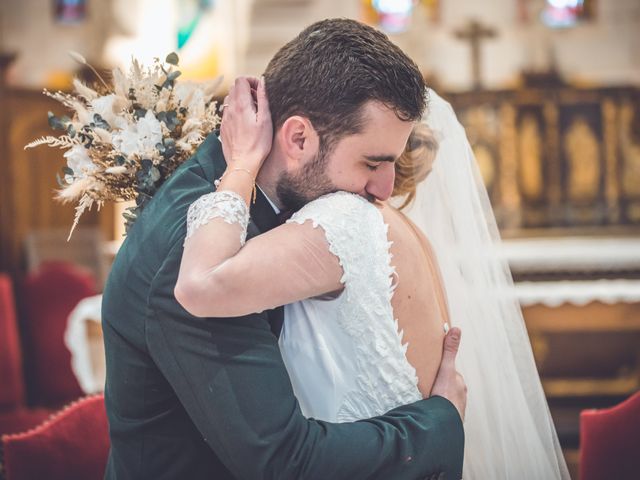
(263, 218)
(262, 213)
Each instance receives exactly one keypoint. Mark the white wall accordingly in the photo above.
(606, 51)
(603, 52)
(29, 29)
(113, 32)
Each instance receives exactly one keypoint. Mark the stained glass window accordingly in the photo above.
(564, 13)
(394, 16)
(70, 11)
(191, 13)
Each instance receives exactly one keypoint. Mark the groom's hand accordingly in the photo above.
(449, 383)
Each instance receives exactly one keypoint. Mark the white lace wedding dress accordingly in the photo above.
(346, 358)
(345, 355)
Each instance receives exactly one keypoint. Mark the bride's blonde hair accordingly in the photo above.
(415, 163)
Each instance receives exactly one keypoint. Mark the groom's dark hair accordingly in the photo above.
(331, 69)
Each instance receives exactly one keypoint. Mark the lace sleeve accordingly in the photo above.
(227, 205)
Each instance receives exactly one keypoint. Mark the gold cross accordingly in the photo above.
(474, 32)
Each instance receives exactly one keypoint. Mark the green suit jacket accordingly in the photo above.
(199, 398)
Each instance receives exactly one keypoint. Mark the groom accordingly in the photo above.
(192, 398)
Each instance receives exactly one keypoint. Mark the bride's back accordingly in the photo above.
(419, 302)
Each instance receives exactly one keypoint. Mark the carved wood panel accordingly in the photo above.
(559, 156)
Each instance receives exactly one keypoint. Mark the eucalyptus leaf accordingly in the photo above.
(100, 122)
(173, 75)
(170, 151)
(169, 118)
(140, 113)
(55, 122)
(146, 165)
(154, 173)
(85, 138)
(172, 117)
(172, 58)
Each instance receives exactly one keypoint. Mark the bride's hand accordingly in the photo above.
(246, 131)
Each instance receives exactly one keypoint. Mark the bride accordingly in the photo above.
(368, 264)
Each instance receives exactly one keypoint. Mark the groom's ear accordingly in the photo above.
(298, 139)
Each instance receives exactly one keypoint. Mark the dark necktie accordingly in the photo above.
(283, 216)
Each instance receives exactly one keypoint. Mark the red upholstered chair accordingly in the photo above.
(12, 391)
(610, 442)
(72, 444)
(48, 296)
(14, 416)
(22, 418)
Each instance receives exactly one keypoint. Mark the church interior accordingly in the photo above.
(547, 90)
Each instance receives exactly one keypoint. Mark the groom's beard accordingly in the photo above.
(295, 190)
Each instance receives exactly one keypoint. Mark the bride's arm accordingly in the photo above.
(218, 276)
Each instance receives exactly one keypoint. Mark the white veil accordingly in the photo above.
(509, 430)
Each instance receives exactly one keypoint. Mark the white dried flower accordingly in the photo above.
(121, 83)
(74, 190)
(140, 137)
(79, 161)
(103, 135)
(84, 91)
(77, 57)
(109, 108)
(116, 170)
(150, 131)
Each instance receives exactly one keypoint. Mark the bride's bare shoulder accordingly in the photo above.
(402, 229)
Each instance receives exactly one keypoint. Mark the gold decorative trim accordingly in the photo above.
(612, 193)
(552, 135)
(508, 146)
(589, 387)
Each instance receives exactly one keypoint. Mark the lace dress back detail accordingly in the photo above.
(383, 378)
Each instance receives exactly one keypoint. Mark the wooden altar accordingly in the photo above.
(557, 156)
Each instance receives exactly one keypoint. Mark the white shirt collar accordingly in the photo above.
(273, 205)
